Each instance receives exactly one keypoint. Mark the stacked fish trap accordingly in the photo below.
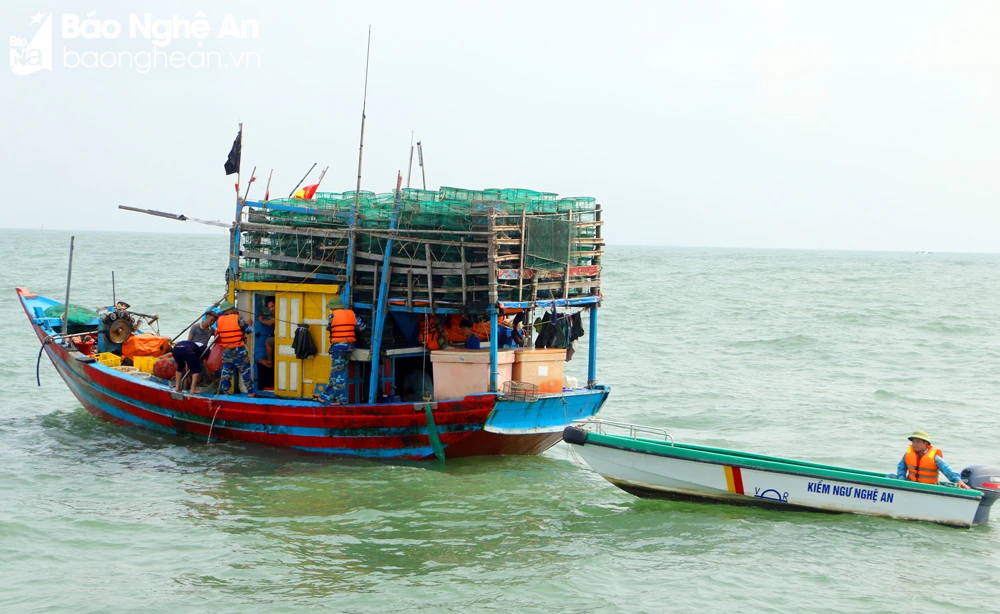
(451, 247)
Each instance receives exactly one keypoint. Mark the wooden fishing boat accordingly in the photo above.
(477, 424)
(403, 260)
(647, 462)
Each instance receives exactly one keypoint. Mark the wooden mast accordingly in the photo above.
(351, 245)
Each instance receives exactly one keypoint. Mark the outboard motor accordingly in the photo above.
(986, 480)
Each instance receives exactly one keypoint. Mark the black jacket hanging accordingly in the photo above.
(302, 343)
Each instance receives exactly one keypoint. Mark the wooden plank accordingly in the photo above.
(524, 244)
(464, 273)
(557, 285)
(401, 290)
(293, 274)
(492, 258)
(569, 256)
(400, 262)
(295, 230)
(589, 270)
(409, 290)
(430, 278)
(382, 234)
(303, 261)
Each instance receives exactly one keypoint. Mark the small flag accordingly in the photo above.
(306, 193)
(233, 162)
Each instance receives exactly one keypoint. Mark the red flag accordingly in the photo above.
(306, 193)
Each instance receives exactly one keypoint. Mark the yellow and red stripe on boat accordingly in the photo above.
(734, 479)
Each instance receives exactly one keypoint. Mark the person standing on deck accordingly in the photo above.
(471, 340)
(922, 462)
(202, 332)
(232, 331)
(263, 345)
(263, 330)
(344, 326)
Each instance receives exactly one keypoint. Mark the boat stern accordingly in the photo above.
(987, 481)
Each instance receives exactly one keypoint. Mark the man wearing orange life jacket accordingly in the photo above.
(344, 327)
(922, 462)
(232, 330)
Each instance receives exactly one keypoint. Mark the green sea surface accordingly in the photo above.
(832, 357)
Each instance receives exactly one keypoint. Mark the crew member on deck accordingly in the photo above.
(922, 462)
(344, 326)
(263, 345)
(471, 340)
(188, 354)
(232, 331)
(201, 333)
(263, 330)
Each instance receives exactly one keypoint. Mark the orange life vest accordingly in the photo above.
(342, 326)
(230, 333)
(922, 469)
(428, 333)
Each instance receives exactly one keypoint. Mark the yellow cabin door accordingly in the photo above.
(316, 370)
(287, 368)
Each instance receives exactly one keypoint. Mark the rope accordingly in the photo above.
(212, 426)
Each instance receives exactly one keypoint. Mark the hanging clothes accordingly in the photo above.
(302, 342)
(576, 326)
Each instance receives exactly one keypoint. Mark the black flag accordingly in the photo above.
(233, 163)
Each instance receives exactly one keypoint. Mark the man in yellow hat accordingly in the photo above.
(922, 462)
(344, 326)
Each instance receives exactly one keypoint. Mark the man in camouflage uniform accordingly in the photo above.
(231, 330)
(344, 325)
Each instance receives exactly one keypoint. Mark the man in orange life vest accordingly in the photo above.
(344, 326)
(232, 332)
(922, 462)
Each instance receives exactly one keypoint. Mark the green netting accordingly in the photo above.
(548, 243)
(78, 316)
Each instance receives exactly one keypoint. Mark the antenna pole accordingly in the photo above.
(267, 190)
(357, 191)
(420, 156)
(410, 170)
(299, 184)
(69, 278)
(253, 175)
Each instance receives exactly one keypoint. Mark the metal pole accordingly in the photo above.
(114, 295)
(381, 304)
(409, 171)
(299, 184)
(494, 348)
(420, 157)
(592, 354)
(69, 278)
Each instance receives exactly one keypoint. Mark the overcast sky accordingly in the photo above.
(834, 125)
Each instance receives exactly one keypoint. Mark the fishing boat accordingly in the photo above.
(647, 462)
(412, 264)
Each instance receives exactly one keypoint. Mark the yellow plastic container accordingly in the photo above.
(108, 359)
(144, 363)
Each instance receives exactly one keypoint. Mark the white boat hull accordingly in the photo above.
(652, 475)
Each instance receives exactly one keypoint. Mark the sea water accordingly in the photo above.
(834, 357)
